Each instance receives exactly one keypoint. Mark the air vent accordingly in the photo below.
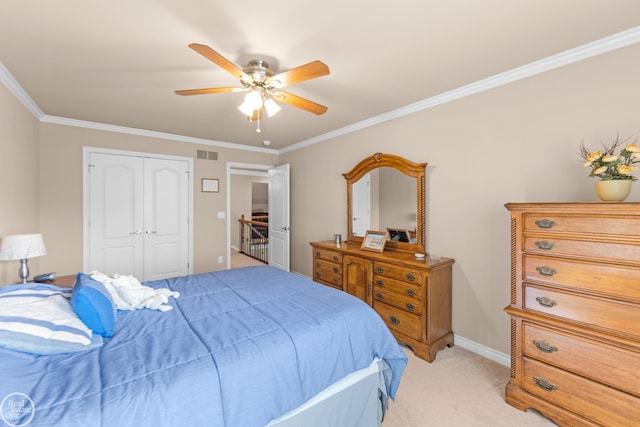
(202, 154)
(213, 155)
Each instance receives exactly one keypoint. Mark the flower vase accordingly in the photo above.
(615, 190)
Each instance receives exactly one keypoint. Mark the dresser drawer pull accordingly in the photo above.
(380, 282)
(545, 223)
(336, 258)
(545, 245)
(411, 292)
(379, 296)
(336, 270)
(318, 274)
(545, 346)
(544, 384)
(410, 306)
(336, 280)
(379, 269)
(318, 264)
(546, 301)
(410, 277)
(546, 271)
(394, 320)
(318, 254)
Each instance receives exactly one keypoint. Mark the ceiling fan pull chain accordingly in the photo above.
(258, 130)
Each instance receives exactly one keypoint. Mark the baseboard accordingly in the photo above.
(482, 350)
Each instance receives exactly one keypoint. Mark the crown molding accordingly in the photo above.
(598, 47)
(588, 50)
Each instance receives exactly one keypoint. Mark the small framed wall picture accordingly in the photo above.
(374, 240)
(210, 185)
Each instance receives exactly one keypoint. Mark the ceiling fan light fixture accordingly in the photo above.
(271, 107)
(246, 109)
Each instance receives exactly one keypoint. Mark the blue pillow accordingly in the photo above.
(93, 304)
(39, 319)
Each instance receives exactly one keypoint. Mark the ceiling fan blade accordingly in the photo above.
(299, 102)
(299, 74)
(220, 60)
(209, 90)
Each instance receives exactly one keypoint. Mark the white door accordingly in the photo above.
(166, 218)
(115, 215)
(361, 205)
(138, 216)
(279, 226)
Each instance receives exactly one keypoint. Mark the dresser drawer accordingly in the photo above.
(594, 224)
(399, 320)
(602, 404)
(327, 255)
(328, 272)
(618, 281)
(400, 273)
(399, 287)
(611, 251)
(398, 300)
(598, 312)
(605, 363)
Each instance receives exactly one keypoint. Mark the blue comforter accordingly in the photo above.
(240, 347)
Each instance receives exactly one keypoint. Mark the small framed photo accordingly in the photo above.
(210, 185)
(374, 240)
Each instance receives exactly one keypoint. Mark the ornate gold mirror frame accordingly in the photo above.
(415, 170)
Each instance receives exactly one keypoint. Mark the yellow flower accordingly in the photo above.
(610, 158)
(594, 156)
(600, 170)
(626, 169)
(632, 148)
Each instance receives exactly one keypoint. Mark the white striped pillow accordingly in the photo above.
(39, 319)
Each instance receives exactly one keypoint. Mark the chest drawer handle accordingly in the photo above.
(380, 282)
(336, 270)
(546, 301)
(379, 269)
(545, 384)
(335, 258)
(410, 306)
(545, 245)
(336, 280)
(318, 264)
(394, 320)
(318, 254)
(545, 346)
(546, 271)
(411, 292)
(410, 277)
(379, 296)
(545, 223)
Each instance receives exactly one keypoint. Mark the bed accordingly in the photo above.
(248, 347)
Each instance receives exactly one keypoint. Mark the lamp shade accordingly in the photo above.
(21, 246)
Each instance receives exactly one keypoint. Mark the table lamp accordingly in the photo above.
(22, 247)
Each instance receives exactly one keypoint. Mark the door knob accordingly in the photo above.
(136, 232)
(150, 232)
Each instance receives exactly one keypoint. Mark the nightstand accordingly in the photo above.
(63, 281)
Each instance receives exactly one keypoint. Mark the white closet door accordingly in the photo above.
(138, 216)
(116, 214)
(166, 218)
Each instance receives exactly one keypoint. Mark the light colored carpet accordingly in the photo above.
(459, 388)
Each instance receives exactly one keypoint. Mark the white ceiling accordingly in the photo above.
(118, 62)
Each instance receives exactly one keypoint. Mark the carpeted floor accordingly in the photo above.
(459, 388)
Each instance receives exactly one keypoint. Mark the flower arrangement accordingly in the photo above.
(608, 166)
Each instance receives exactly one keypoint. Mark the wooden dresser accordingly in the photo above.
(575, 312)
(412, 296)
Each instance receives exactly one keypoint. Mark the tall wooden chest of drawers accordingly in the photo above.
(412, 296)
(575, 312)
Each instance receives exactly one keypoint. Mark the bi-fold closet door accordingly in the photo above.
(138, 216)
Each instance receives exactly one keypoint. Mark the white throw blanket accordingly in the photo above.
(129, 294)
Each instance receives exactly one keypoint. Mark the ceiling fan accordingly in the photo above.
(262, 84)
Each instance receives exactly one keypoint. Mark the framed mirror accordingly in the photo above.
(387, 192)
